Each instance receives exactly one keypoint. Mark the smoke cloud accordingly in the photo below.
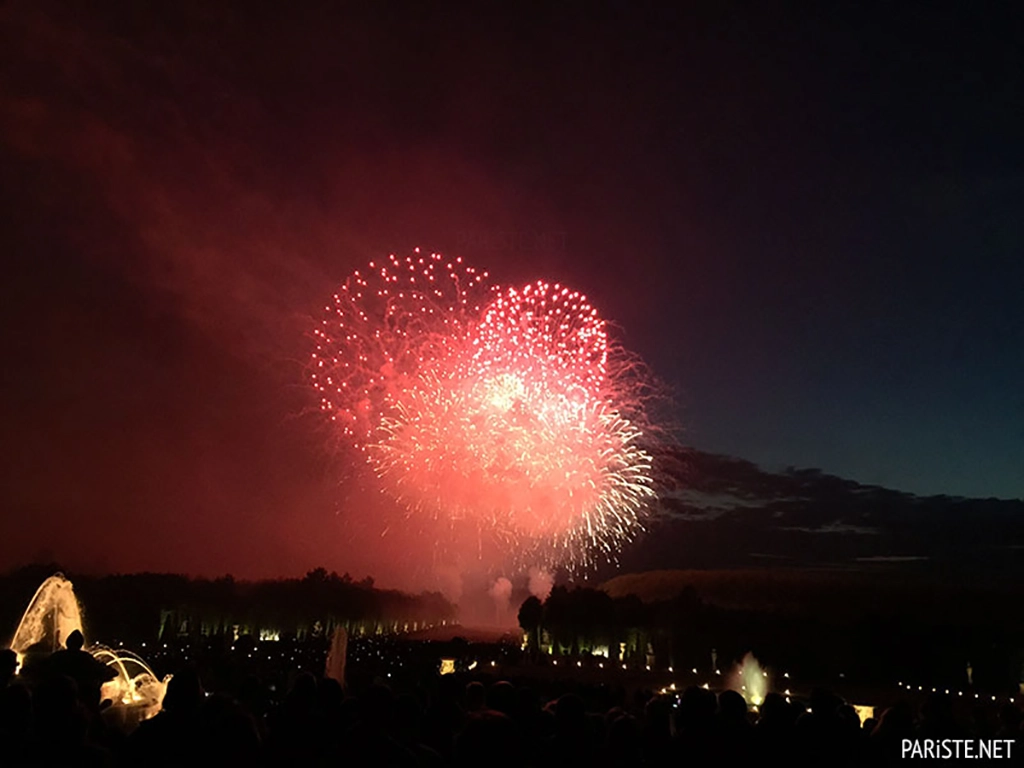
(541, 583)
(501, 593)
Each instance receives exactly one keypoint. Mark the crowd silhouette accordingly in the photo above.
(53, 717)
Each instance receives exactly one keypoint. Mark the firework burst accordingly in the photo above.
(504, 410)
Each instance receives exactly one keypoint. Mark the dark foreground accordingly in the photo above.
(416, 717)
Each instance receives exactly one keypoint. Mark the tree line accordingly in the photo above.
(153, 606)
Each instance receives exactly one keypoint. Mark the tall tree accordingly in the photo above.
(531, 613)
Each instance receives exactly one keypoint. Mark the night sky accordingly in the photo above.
(807, 222)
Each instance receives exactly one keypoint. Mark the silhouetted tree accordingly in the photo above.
(531, 614)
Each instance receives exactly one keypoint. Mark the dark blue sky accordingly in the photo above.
(808, 225)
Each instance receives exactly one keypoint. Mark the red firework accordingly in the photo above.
(504, 410)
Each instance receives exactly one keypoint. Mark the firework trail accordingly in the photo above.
(507, 410)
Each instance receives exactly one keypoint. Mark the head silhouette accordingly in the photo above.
(75, 641)
(184, 692)
(8, 665)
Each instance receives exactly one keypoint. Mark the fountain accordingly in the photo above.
(53, 614)
(136, 689)
(750, 680)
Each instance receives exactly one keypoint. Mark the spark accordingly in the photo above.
(508, 409)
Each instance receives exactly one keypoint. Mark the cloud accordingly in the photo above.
(541, 583)
(232, 194)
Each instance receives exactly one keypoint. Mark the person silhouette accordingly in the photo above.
(8, 666)
(82, 667)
